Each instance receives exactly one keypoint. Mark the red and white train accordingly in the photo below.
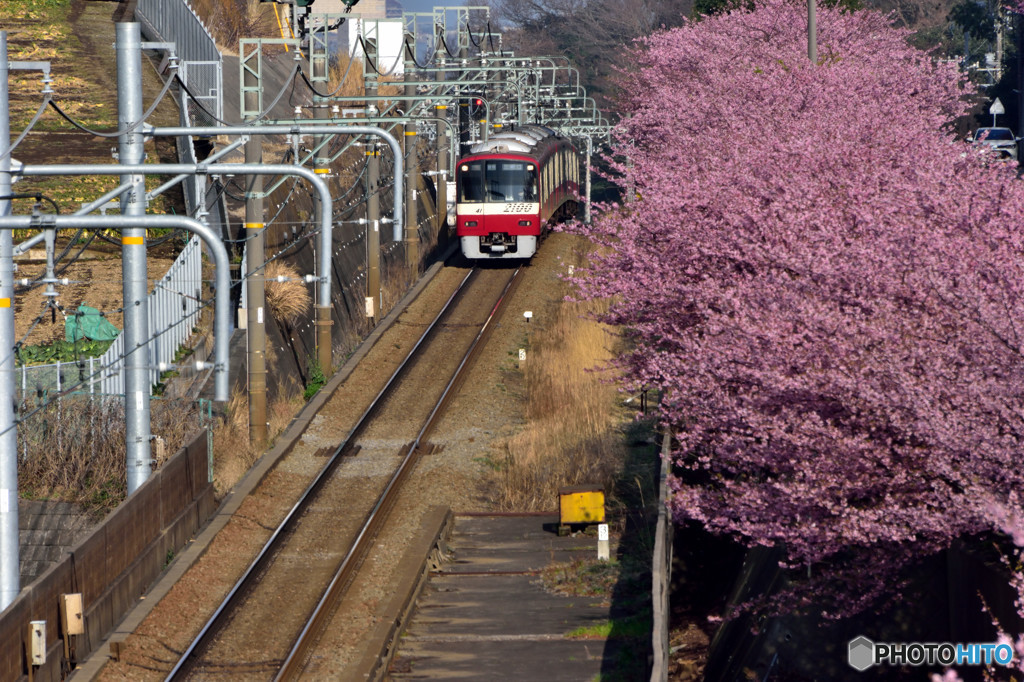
(510, 187)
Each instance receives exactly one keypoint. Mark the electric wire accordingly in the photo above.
(412, 55)
(335, 91)
(469, 32)
(125, 131)
(446, 48)
(259, 117)
(31, 124)
(374, 66)
(490, 37)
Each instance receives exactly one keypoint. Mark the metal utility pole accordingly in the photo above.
(373, 293)
(412, 233)
(586, 191)
(255, 284)
(322, 322)
(812, 31)
(130, 151)
(1020, 72)
(444, 173)
(10, 576)
(465, 120)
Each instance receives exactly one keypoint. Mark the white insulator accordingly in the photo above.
(200, 365)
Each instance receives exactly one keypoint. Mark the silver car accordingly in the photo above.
(1000, 140)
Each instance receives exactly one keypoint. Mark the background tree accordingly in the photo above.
(826, 287)
(592, 33)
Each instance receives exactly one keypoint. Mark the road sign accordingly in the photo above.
(996, 108)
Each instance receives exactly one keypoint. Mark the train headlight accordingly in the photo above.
(525, 223)
(470, 223)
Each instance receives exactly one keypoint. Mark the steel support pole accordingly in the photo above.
(10, 576)
(131, 151)
(465, 120)
(255, 284)
(373, 291)
(444, 172)
(322, 320)
(412, 233)
(812, 31)
(586, 199)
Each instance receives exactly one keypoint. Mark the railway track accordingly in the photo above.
(272, 618)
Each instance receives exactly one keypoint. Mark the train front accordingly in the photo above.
(498, 209)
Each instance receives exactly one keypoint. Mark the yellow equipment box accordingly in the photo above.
(580, 504)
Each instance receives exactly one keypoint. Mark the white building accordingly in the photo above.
(389, 35)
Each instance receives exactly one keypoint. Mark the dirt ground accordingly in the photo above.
(93, 280)
(77, 42)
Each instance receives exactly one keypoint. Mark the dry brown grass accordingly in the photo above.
(233, 454)
(573, 433)
(230, 20)
(289, 300)
(74, 449)
(353, 81)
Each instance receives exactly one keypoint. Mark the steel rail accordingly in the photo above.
(324, 611)
(244, 586)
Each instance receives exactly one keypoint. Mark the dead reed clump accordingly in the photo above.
(233, 453)
(287, 300)
(573, 433)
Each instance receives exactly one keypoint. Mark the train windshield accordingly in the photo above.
(497, 181)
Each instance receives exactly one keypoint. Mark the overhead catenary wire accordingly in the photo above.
(373, 66)
(340, 84)
(116, 133)
(31, 124)
(259, 117)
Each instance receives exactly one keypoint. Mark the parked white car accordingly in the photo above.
(1000, 140)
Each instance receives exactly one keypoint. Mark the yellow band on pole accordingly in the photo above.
(410, 132)
(321, 171)
(253, 226)
(133, 241)
(5, 303)
(441, 106)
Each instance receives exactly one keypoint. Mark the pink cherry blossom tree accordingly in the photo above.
(824, 285)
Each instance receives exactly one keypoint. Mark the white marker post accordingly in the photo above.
(603, 552)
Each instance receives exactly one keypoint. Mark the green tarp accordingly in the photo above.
(89, 323)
